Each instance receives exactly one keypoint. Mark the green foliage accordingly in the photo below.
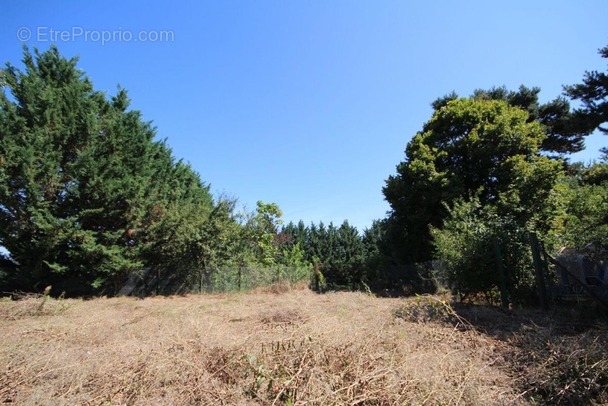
(340, 256)
(465, 246)
(477, 176)
(470, 147)
(376, 254)
(585, 223)
(262, 229)
(565, 129)
(87, 195)
(339, 253)
(7, 267)
(347, 263)
(593, 93)
(294, 256)
(473, 175)
(244, 250)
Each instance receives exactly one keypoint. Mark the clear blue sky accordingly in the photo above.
(310, 104)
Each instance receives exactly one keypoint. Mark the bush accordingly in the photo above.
(466, 247)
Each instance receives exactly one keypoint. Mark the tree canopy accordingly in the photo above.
(564, 128)
(470, 148)
(89, 196)
(593, 93)
(87, 193)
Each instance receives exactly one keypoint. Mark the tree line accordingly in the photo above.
(90, 197)
(491, 168)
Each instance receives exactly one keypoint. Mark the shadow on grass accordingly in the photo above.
(556, 358)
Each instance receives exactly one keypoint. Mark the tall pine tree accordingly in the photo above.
(593, 93)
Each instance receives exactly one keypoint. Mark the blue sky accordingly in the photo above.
(309, 104)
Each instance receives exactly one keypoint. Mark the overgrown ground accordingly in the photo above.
(291, 346)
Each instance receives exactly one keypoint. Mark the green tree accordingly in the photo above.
(470, 148)
(350, 257)
(295, 234)
(338, 252)
(565, 129)
(593, 93)
(375, 254)
(86, 191)
(264, 226)
(176, 235)
(584, 225)
(465, 246)
(292, 243)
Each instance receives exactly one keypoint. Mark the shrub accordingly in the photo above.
(466, 246)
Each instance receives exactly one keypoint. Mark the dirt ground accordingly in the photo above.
(290, 347)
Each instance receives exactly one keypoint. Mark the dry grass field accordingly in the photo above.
(292, 347)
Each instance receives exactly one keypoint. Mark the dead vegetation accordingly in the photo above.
(289, 348)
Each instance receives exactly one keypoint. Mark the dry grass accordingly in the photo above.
(274, 347)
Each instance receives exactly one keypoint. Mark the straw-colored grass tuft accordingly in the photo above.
(262, 348)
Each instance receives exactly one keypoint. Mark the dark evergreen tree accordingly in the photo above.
(350, 256)
(377, 254)
(86, 193)
(593, 93)
(338, 252)
(315, 249)
(297, 233)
